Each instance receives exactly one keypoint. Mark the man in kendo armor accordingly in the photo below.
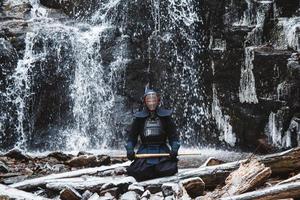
(155, 127)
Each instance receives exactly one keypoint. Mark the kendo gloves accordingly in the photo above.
(130, 150)
(130, 155)
(174, 149)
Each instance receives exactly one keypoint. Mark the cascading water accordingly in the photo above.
(73, 50)
(178, 28)
(223, 121)
(19, 92)
(247, 90)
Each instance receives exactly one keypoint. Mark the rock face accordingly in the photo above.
(251, 55)
(72, 71)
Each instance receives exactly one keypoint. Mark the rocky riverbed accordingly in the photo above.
(89, 176)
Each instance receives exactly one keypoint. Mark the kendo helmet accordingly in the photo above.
(151, 99)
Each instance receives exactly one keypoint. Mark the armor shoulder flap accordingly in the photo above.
(164, 112)
(141, 114)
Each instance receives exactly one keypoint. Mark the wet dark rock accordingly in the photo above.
(117, 160)
(70, 194)
(83, 160)
(153, 188)
(17, 154)
(60, 156)
(3, 168)
(77, 8)
(80, 153)
(103, 160)
(15, 10)
(89, 161)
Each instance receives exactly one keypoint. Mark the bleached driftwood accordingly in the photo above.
(13, 193)
(289, 190)
(245, 178)
(32, 183)
(291, 180)
(212, 176)
(89, 183)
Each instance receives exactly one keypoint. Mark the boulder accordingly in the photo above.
(136, 188)
(193, 186)
(17, 154)
(70, 194)
(130, 195)
(171, 189)
(60, 156)
(146, 195)
(86, 195)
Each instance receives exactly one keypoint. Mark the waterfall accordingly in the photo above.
(247, 90)
(182, 83)
(65, 87)
(19, 92)
(71, 50)
(277, 136)
(222, 121)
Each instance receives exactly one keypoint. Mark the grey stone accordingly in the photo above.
(3, 168)
(70, 194)
(130, 195)
(136, 188)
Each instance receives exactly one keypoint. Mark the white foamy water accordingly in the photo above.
(91, 89)
(222, 121)
(247, 90)
(19, 92)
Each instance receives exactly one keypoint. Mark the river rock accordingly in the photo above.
(194, 186)
(59, 168)
(130, 195)
(60, 156)
(16, 9)
(113, 191)
(17, 154)
(136, 188)
(70, 194)
(86, 195)
(212, 161)
(146, 195)
(171, 189)
(3, 168)
(153, 188)
(88, 161)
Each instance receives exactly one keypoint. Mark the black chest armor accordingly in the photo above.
(153, 132)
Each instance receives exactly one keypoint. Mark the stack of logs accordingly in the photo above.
(267, 177)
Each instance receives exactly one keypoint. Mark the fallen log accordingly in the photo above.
(41, 181)
(93, 184)
(289, 190)
(246, 177)
(13, 193)
(291, 180)
(212, 176)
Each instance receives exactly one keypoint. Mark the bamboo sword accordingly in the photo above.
(158, 155)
